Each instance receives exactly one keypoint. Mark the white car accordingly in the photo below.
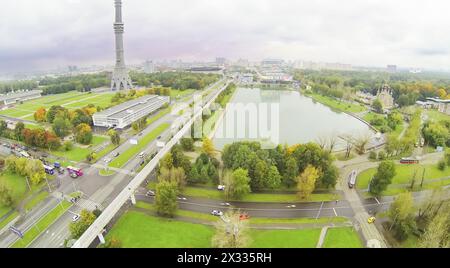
(182, 198)
(107, 160)
(220, 187)
(217, 213)
(225, 204)
(75, 217)
(150, 193)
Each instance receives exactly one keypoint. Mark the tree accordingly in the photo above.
(187, 144)
(259, 176)
(83, 133)
(35, 171)
(166, 198)
(291, 172)
(361, 143)
(61, 126)
(237, 184)
(175, 175)
(377, 106)
(6, 195)
(231, 231)
(81, 116)
(383, 177)
(79, 227)
(40, 115)
(307, 181)
(166, 161)
(115, 137)
(54, 111)
(208, 146)
(18, 129)
(401, 214)
(436, 234)
(273, 178)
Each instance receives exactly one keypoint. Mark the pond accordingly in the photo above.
(283, 117)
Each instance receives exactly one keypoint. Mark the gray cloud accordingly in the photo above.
(47, 33)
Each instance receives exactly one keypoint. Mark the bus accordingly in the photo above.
(74, 172)
(409, 160)
(352, 179)
(49, 169)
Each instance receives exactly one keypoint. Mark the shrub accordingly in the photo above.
(373, 155)
(381, 155)
(441, 165)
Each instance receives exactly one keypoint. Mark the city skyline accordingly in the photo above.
(373, 33)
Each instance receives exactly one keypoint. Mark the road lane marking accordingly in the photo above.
(318, 213)
(335, 214)
(377, 200)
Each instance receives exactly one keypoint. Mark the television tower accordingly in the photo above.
(120, 78)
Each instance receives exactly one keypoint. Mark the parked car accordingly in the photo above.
(75, 217)
(107, 160)
(150, 193)
(217, 213)
(116, 154)
(220, 187)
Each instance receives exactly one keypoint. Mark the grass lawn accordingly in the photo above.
(160, 114)
(11, 217)
(138, 230)
(42, 224)
(16, 183)
(4, 210)
(404, 174)
(254, 197)
(176, 93)
(36, 200)
(336, 104)
(97, 140)
(434, 115)
(342, 237)
(77, 153)
(304, 238)
(123, 158)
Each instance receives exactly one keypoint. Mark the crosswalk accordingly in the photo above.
(88, 204)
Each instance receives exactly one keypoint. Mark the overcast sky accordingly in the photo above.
(50, 33)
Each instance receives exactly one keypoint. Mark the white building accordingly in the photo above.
(443, 105)
(14, 97)
(125, 114)
(149, 67)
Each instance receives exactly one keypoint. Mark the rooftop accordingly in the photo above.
(19, 94)
(438, 100)
(123, 109)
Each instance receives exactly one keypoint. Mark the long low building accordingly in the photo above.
(126, 113)
(443, 105)
(18, 96)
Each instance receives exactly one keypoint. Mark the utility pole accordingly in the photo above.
(423, 176)
(28, 183)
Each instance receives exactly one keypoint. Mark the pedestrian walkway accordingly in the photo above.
(88, 204)
(323, 233)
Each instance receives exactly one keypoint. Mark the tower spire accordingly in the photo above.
(120, 78)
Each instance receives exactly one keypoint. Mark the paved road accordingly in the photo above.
(102, 189)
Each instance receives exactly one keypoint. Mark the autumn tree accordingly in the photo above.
(61, 126)
(79, 227)
(114, 136)
(231, 231)
(307, 181)
(83, 133)
(18, 131)
(208, 146)
(436, 234)
(40, 115)
(35, 171)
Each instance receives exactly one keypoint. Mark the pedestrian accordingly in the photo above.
(337, 201)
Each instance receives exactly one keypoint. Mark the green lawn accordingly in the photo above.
(176, 93)
(342, 237)
(77, 153)
(160, 114)
(11, 217)
(304, 238)
(16, 183)
(256, 197)
(404, 174)
(138, 230)
(336, 104)
(42, 224)
(435, 115)
(123, 158)
(97, 140)
(36, 200)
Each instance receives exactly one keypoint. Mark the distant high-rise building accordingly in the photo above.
(120, 78)
(149, 67)
(220, 61)
(392, 68)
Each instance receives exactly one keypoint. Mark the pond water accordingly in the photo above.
(282, 116)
